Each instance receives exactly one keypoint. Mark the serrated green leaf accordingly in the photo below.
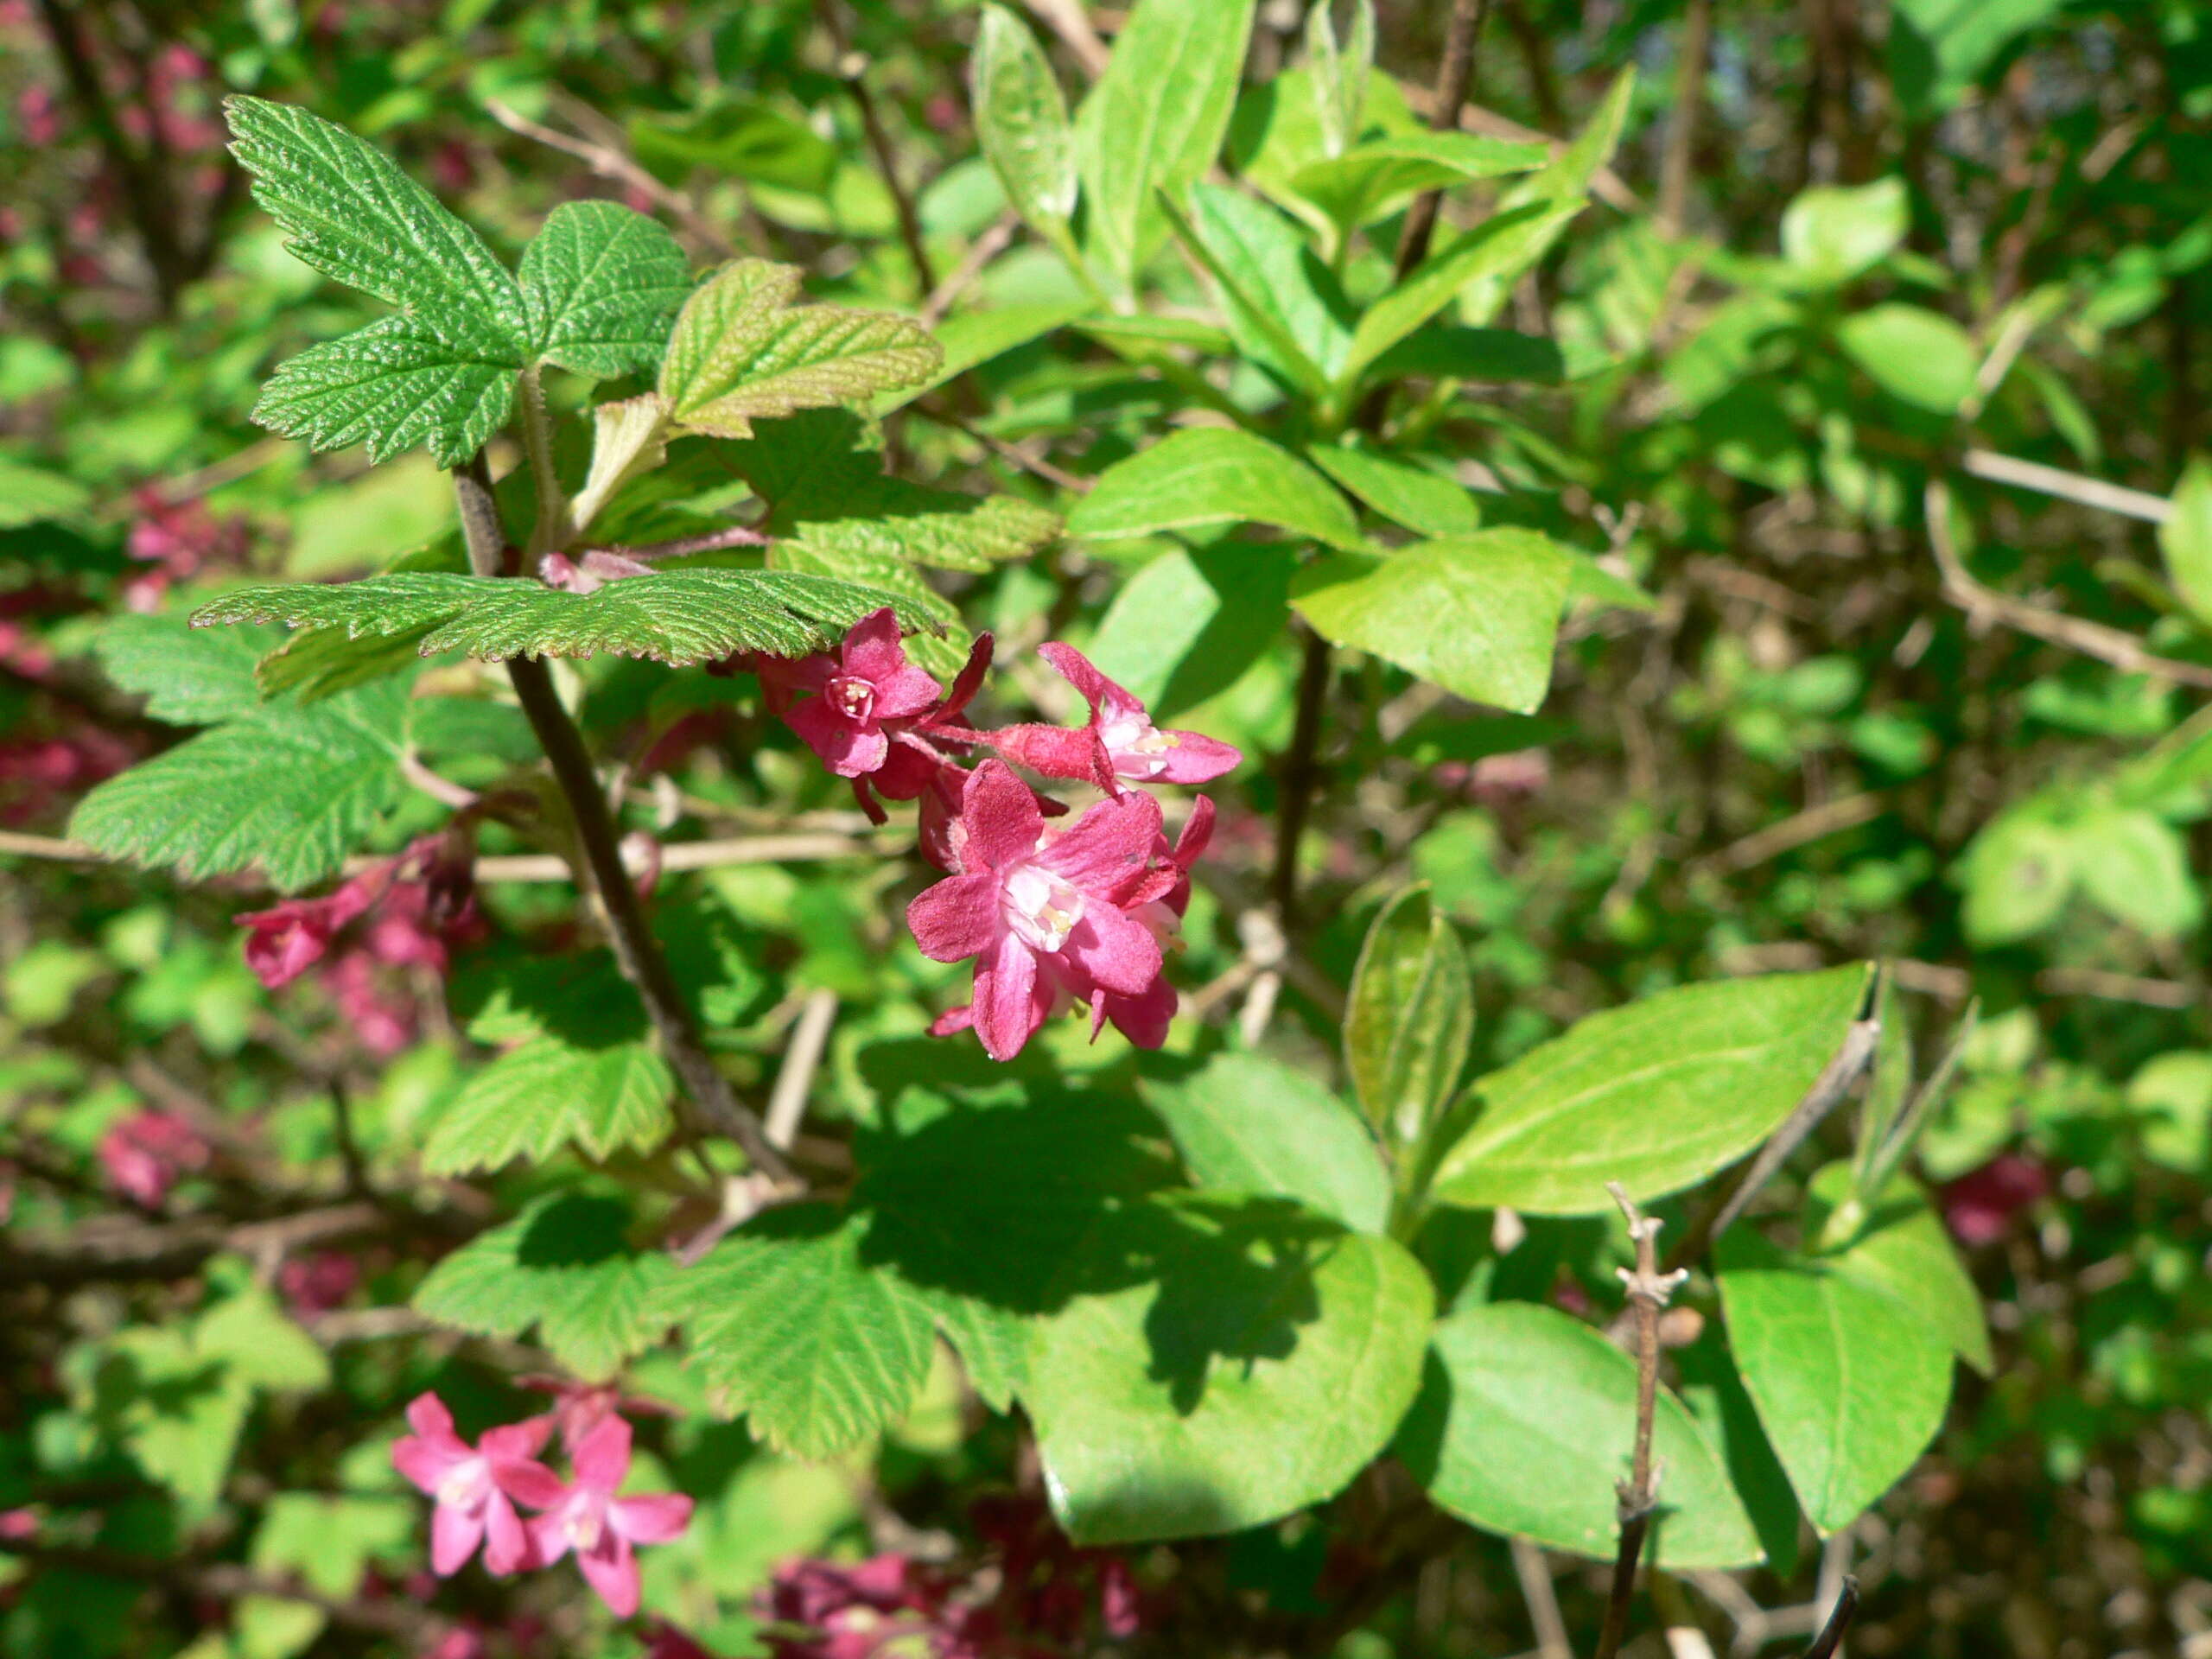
(286, 790)
(188, 678)
(319, 662)
(1499, 249)
(532, 1101)
(399, 381)
(790, 1327)
(1021, 120)
(1850, 1387)
(1476, 614)
(1155, 119)
(601, 285)
(1409, 1017)
(1413, 495)
(351, 214)
(629, 439)
(679, 617)
(941, 651)
(1261, 1360)
(1526, 1423)
(1204, 476)
(1246, 1123)
(742, 351)
(1656, 1095)
(1376, 177)
(564, 1264)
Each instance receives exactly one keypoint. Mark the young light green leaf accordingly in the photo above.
(2018, 872)
(1832, 233)
(1919, 357)
(1021, 121)
(1410, 1018)
(678, 617)
(1191, 624)
(1370, 179)
(1214, 475)
(1849, 1385)
(348, 211)
(285, 790)
(2134, 866)
(1657, 1095)
(1477, 614)
(535, 1099)
(1524, 1427)
(1246, 1123)
(1155, 119)
(564, 1264)
(742, 351)
(1501, 247)
(1266, 1360)
(788, 1326)
(601, 285)
(2185, 540)
(1337, 73)
(399, 381)
(629, 439)
(1285, 309)
(1422, 501)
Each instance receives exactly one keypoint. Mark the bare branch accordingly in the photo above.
(1831, 1637)
(1649, 1291)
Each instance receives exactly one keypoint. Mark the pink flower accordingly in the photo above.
(1978, 1206)
(476, 1488)
(867, 682)
(1121, 744)
(580, 1407)
(316, 1284)
(146, 1152)
(285, 941)
(602, 1528)
(665, 1641)
(1042, 912)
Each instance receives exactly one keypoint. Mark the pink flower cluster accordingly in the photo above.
(1055, 917)
(413, 909)
(146, 1153)
(1037, 1596)
(176, 539)
(476, 1488)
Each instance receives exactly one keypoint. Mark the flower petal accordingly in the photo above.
(549, 1537)
(872, 650)
(428, 1416)
(847, 750)
(969, 680)
(1075, 669)
(455, 1534)
(1108, 850)
(956, 918)
(1053, 751)
(651, 1517)
(528, 1483)
(1198, 759)
(601, 1459)
(610, 1568)
(1143, 1019)
(1006, 1006)
(1116, 950)
(510, 1547)
(426, 1462)
(1197, 832)
(905, 693)
(1001, 816)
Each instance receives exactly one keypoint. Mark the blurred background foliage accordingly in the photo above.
(1883, 364)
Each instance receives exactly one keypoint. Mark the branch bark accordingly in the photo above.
(1649, 1292)
(1455, 75)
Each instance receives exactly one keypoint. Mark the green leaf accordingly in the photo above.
(351, 214)
(2134, 866)
(1154, 121)
(1477, 614)
(1285, 309)
(2018, 872)
(1917, 356)
(742, 351)
(564, 1264)
(400, 382)
(1021, 121)
(319, 662)
(1406, 494)
(330, 1542)
(188, 678)
(1202, 476)
(789, 1327)
(1850, 1387)
(1525, 1424)
(28, 494)
(1246, 1123)
(1264, 1359)
(1831, 233)
(628, 439)
(1657, 1095)
(286, 790)
(744, 138)
(532, 1100)
(976, 337)
(2185, 540)
(1485, 354)
(678, 617)
(1382, 174)
(1191, 624)
(1903, 1252)
(601, 285)
(1500, 248)
(1410, 1018)
(1337, 73)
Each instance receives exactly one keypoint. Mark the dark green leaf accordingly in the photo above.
(601, 285)
(1499, 249)
(1214, 475)
(400, 382)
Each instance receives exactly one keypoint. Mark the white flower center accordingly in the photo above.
(585, 1522)
(852, 697)
(1138, 748)
(466, 1485)
(1040, 907)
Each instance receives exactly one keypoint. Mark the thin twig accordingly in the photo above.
(1649, 1292)
(1300, 771)
(1831, 1637)
(1070, 21)
(349, 1144)
(1674, 167)
(984, 249)
(1013, 454)
(2067, 487)
(795, 1078)
(1535, 1575)
(2116, 646)
(852, 66)
(715, 541)
(1799, 829)
(609, 162)
(1455, 75)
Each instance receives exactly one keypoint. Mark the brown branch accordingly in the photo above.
(1984, 605)
(1070, 21)
(90, 1254)
(1301, 773)
(2067, 487)
(1013, 454)
(611, 163)
(636, 952)
(985, 248)
(1455, 75)
(1649, 1292)
(853, 68)
(1831, 1635)
(1674, 167)
(1799, 829)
